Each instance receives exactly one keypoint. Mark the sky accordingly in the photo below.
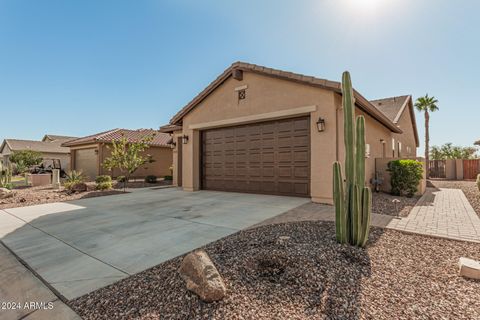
(80, 67)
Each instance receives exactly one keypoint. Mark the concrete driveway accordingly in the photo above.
(80, 246)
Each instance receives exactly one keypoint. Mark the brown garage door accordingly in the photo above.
(269, 157)
(86, 160)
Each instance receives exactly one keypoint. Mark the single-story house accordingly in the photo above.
(261, 130)
(50, 147)
(89, 153)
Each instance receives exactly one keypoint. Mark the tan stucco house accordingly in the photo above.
(88, 153)
(261, 130)
(50, 147)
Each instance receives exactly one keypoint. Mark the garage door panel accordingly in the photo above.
(269, 157)
(86, 161)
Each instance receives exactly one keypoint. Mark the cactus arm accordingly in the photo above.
(366, 214)
(348, 102)
(360, 154)
(339, 202)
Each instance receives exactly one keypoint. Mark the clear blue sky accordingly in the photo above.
(80, 67)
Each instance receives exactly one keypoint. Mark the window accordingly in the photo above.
(399, 149)
(393, 147)
(367, 150)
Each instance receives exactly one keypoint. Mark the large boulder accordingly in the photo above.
(79, 187)
(6, 193)
(202, 277)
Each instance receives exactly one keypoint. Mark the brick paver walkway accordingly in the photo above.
(444, 213)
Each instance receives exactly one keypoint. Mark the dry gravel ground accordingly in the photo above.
(309, 276)
(469, 188)
(29, 196)
(382, 204)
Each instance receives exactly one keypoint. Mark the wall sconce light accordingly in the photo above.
(382, 141)
(185, 139)
(321, 124)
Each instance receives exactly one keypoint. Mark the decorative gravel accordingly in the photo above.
(309, 276)
(382, 203)
(28, 196)
(469, 188)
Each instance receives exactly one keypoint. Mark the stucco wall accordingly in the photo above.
(267, 96)
(407, 138)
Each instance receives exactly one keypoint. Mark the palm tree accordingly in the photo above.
(427, 104)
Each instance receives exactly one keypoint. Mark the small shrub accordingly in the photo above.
(103, 185)
(168, 177)
(104, 178)
(478, 182)
(103, 182)
(73, 178)
(405, 176)
(121, 179)
(151, 179)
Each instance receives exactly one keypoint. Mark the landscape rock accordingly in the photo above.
(79, 187)
(202, 277)
(6, 193)
(469, 268)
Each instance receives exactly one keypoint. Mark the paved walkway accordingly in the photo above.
(26, 295)
(444, 213)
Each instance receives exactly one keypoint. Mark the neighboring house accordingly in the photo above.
(260, 130)
(88, 153)
(50, 148)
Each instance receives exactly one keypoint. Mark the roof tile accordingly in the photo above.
(159, 139)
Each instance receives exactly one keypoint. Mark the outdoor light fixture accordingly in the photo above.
(382, 141)
(185, 139)
(321, 124)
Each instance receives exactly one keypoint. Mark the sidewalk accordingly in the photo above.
(444, 213)
(20, 289)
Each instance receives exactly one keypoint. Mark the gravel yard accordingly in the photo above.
(382, 204)
(469, 188)
(29, 196)
(308, 276)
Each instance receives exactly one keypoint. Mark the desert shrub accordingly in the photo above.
(405, 176)
(73, 178)
(103, 185)
(103, 182)
(121, 179)
(151, 179)
(104, 178)
(478, 182)
(168, 177)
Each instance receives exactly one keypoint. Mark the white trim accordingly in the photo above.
(255, 118)
(399, 114)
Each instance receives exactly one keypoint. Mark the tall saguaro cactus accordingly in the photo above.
(353, 200)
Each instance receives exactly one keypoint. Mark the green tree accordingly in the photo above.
(128, 156)
(24, 159)
(427, 105)
(449, 151)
